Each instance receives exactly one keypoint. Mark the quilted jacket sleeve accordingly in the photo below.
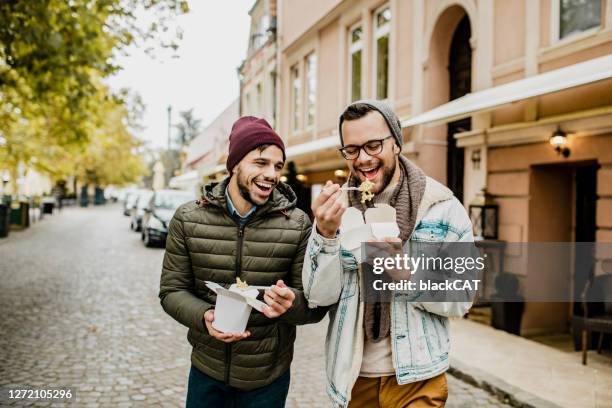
(177, 280)
(300, 313)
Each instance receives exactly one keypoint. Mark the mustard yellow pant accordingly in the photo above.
(384, 392)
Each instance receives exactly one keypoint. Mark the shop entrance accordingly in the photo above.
(460, 76)
(562, 208)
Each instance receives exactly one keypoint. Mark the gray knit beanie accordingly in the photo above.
(390, 117)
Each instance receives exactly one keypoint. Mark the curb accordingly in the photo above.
(508, 393)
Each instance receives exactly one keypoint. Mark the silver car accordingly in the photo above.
(159, 212)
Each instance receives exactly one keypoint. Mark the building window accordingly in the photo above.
(356, 47)
(295, 98)
(264, 25)
(273, 98)
(262, 32)
(256, 39)
(382, 22)
(247, 104)
(260, 108)
(311, 89)
(259, 32)
(576, 16)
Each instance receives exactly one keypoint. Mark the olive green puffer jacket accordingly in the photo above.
(205, 243)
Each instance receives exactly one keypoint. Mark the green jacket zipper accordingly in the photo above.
(228, 347)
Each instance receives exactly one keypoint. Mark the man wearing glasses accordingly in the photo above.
(381, 354)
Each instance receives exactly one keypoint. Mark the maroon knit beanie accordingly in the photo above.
(249, 132)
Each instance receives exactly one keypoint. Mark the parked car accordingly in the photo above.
(137, 212)
(128, 203)
(160, 210)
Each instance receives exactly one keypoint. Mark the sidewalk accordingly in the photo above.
(529, 374)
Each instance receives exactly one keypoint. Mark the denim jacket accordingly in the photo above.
(419, 331)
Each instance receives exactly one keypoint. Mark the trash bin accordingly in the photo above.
(99, 196)
(5, 211)
(507, 305)
(20, 215)
(84, 198)
(47, 205)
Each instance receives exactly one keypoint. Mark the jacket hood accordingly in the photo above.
(435, 192)
(282, 198)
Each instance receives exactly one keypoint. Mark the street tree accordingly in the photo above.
(53, 56)
(188, 128)
(110, 157)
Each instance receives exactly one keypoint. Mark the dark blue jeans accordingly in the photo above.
(204, 392)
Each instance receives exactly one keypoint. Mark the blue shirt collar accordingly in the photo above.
(232, 210)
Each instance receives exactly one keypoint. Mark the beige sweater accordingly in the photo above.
(377, 359)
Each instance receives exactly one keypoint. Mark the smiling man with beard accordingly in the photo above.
(393, 353)
(246, 227)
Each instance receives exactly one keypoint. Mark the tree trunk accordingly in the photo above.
(14, 171)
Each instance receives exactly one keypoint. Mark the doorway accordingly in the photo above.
(562, 208)
(585, 179)
(460, 81)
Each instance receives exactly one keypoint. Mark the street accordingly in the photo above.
(80, 311)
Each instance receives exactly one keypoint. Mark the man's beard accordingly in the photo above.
(245, 193)
(243, 189)
(387, 175)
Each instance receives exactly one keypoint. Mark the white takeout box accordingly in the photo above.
(380, 222)
(233, 307)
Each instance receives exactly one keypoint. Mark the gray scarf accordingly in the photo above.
(405, 199)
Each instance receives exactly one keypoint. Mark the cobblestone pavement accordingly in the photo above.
(309, 362)
(80, 310)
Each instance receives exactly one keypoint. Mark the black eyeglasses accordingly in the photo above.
(372, 147)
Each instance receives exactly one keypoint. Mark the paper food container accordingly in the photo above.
(233, 307)
(375, 224)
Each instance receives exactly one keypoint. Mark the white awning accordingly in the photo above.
(184, 181)
(328, 142)
(583, 73)
(212, 169)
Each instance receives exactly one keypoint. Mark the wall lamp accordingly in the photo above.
(476, 158)
(559, 141)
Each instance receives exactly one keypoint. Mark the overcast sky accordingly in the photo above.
(203, 77)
